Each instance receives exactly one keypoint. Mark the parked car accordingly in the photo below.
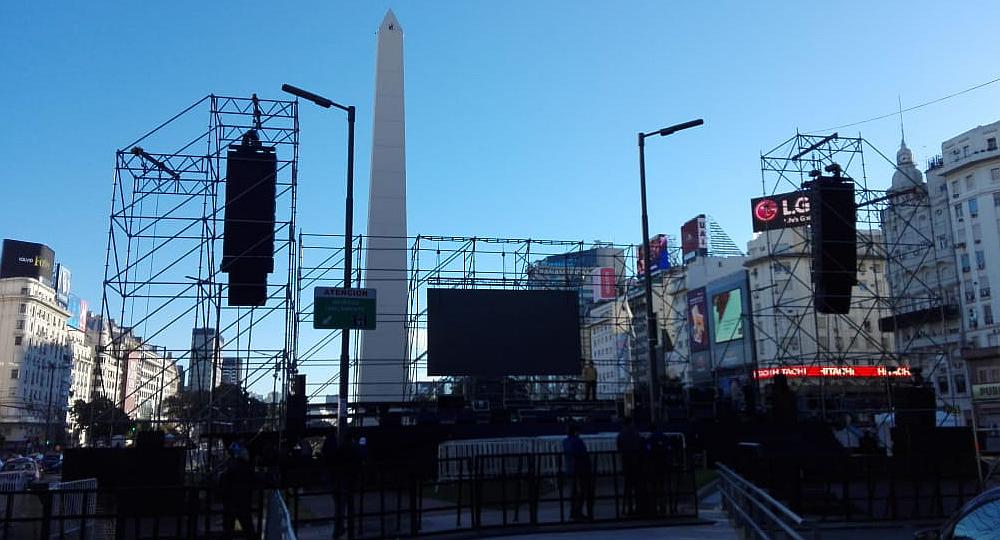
(977, 519)
(52, 462)
(25, 466)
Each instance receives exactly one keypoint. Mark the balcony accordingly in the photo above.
(918, 317)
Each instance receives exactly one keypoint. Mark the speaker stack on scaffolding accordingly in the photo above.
(834, 240)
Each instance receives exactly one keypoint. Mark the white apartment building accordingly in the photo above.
(35, 360)
(921, 272)
(787, 329)
(82, 376)
(610, 326)
(205, 368)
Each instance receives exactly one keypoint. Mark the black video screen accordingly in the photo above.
(493, 333)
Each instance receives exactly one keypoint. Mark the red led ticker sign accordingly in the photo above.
(832, 371)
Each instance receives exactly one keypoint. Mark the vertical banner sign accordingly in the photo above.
(604, 284)
(698, 319)
(694, 238)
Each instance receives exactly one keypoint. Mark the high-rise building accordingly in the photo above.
(204, 371)
(610, 341)
(383, 368)
(232, 370)
(965, 179)
(37, 360)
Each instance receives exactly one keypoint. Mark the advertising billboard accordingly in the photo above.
(659, 255)
(697, 320)
(694, 238)
(63, 279)
(604, 284)
(851, 372)
(727, 315)
(26, 259)
(781, 211)
(77, 308)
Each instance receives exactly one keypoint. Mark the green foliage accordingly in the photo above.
(100, 417)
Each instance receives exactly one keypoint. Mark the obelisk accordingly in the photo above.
(382, 373)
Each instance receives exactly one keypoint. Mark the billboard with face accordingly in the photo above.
(698, 320)
(659, 256)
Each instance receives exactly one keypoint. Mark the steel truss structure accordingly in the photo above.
(439, 262)
(162, 272)
(900, 283)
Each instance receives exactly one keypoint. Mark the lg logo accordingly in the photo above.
(768, 209)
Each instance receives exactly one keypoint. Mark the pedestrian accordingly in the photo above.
(589, 381)
(343, 464)
(576, 462)
(236, 483)
(630, 448)
(658, 454)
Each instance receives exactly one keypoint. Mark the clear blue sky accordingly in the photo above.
(521, 116)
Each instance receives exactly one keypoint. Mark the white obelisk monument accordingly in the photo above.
(383, 366)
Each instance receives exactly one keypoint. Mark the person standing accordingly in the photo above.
(236, 483)
(630, 448)
(589, 381)
(576, 462)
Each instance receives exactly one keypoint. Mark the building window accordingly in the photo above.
(20, 324)
(960, 383)
(954, 189)
(995, 175)
(943, 241)
(22, 309)
(977, 233)
(973, 207)
(959, 214)
(18, 340)
(970, 182)
(942, 384)
(965, 150)
(965, 263)
(991, 143)
(987, 314)
(970, 291)
(14, 373)
(980, 260)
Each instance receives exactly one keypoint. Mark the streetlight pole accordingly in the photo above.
(345, 335)
(653, 368)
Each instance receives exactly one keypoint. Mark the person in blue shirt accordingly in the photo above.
(576, 462)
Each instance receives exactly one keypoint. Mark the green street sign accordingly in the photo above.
(335, 308)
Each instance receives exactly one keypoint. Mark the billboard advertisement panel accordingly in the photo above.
(604, 284)
(63, 278)
(851, 372)
(727, 315)
(26, 259)
(781, 211)
(694, 238)
(659, 255)
(77, 308)
(698, 320)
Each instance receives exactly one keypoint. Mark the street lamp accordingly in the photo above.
(345, 336)
(654, 375)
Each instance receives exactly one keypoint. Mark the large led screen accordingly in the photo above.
(727, 314)
(492, 333)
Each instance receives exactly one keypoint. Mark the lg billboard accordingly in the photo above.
(27, 259)
(781, 211)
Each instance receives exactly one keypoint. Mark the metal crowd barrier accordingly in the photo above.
(756, 512)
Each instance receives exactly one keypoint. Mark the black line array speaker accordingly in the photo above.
(295, 408)
(248, 237)
(834, 241)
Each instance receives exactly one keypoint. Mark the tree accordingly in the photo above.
(100, 417)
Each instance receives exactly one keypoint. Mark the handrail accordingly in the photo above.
(755, 501)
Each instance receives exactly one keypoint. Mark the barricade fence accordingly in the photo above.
(377, 500)
(865, 487)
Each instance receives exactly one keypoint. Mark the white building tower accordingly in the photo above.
(382, 373)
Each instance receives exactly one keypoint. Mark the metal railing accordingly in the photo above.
(277, 521)
(756, 512)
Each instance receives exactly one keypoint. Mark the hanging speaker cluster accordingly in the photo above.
(834, 240)
(248, 236)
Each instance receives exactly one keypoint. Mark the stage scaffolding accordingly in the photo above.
(162, 272)
(457, 262)
(900, 273)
